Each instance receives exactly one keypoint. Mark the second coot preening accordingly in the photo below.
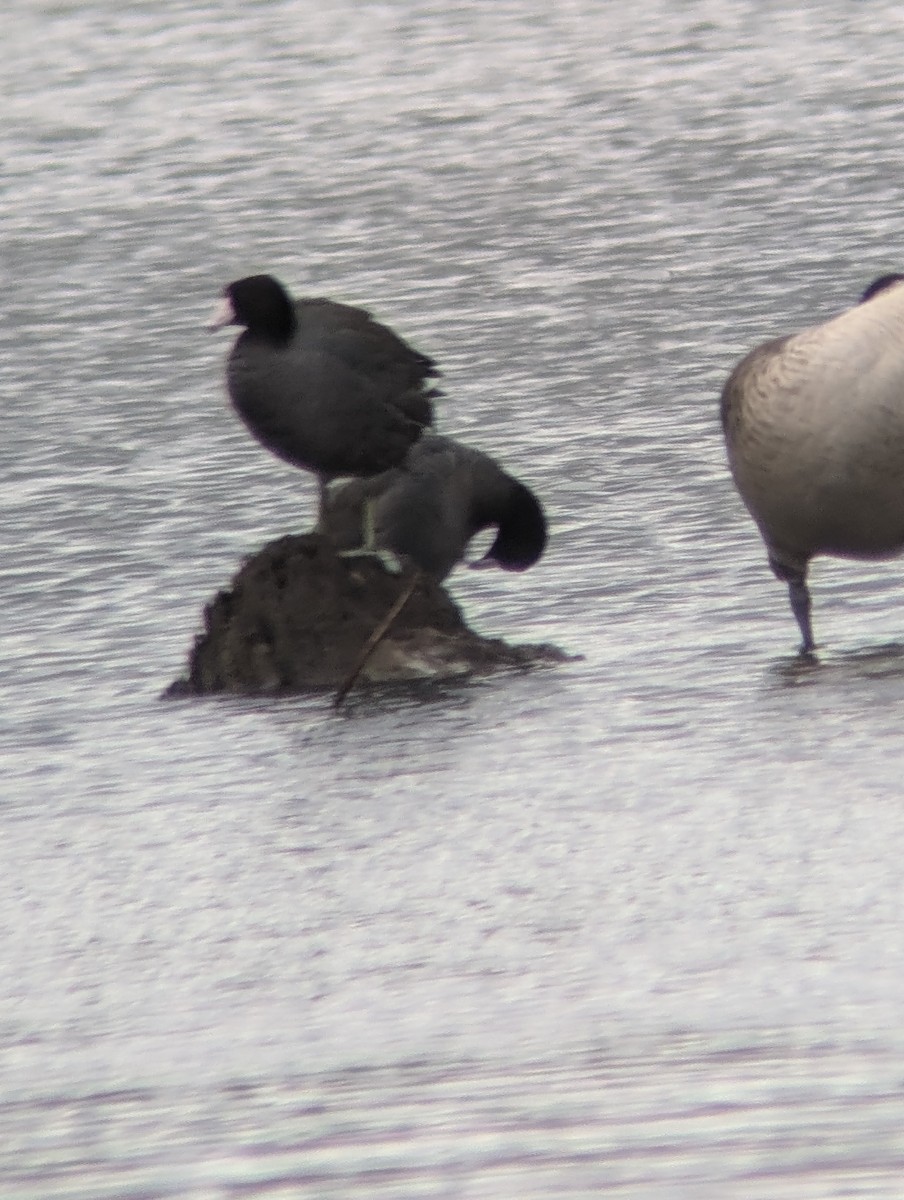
(321, 384)
(426, 510)
(814, 425)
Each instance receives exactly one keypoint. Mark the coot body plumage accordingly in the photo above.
(428, 509)
(321, 384)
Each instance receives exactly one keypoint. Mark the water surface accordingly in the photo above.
(629, 926)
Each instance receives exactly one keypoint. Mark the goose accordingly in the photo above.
(321, 384)
(814, 429)
(425, 511)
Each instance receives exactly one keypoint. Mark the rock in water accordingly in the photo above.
(296, 617)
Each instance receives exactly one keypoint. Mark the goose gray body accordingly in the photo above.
(814, 427)
(321, 384)
(427, 510)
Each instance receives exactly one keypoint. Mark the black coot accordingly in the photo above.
(321, 384)
(427, 510)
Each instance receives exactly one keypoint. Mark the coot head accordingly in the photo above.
(261, 304)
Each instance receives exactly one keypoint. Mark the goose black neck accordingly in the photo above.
(879, 285)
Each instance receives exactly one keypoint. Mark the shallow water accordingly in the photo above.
(629, 926)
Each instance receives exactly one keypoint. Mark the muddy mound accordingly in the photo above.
(296, 617)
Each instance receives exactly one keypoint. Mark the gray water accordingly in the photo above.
(628, 927)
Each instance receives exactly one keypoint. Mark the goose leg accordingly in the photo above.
(799, 595)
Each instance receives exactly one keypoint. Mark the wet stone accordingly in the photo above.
(296, 617)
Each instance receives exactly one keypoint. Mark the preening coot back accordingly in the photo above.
(427, 510)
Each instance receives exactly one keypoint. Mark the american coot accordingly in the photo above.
(323, 385)
(814, 425)
(428, 509)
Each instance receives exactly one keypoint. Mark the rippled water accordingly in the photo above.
(630, 926)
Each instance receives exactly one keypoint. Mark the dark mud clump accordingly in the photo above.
(296, 617)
